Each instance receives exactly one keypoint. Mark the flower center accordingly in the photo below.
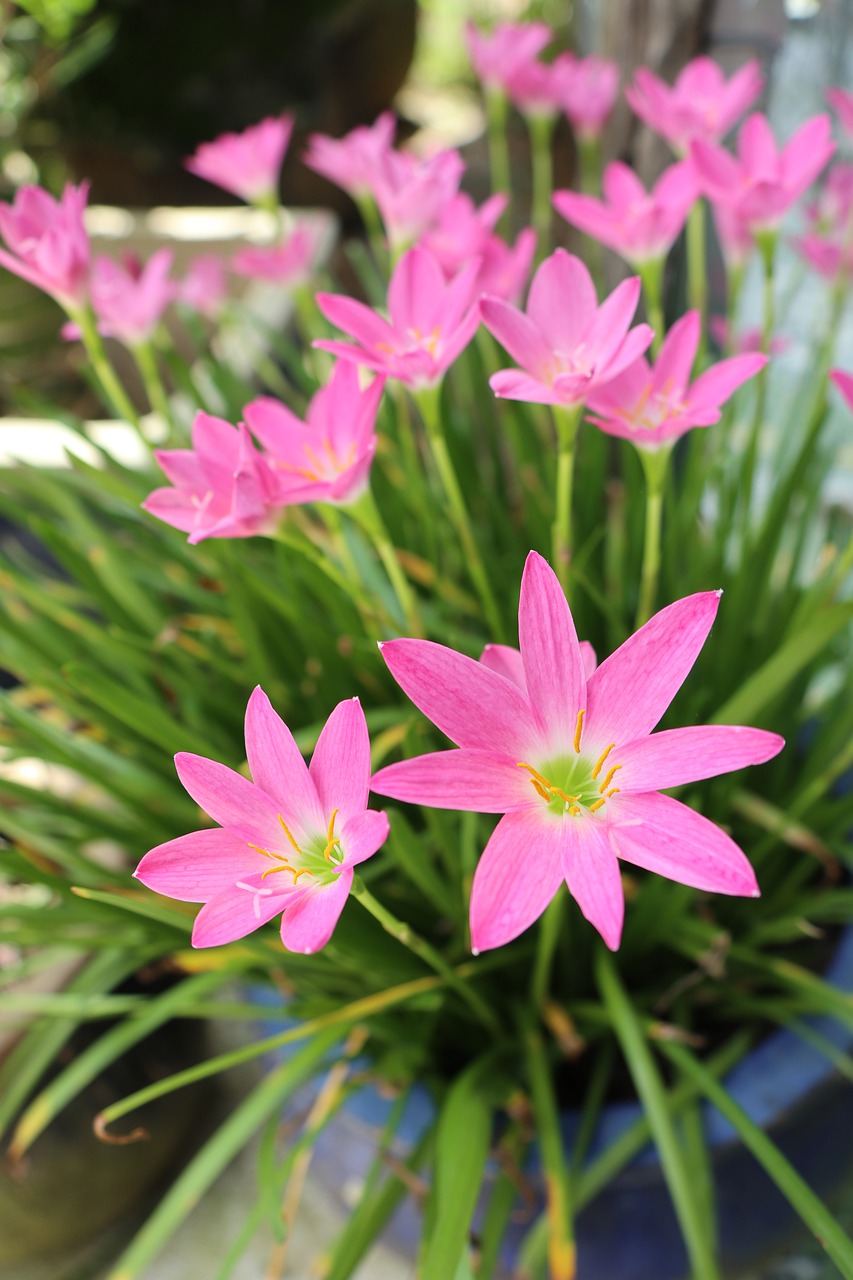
(572, 784)
(318, 859)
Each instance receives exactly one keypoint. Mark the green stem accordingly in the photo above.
(369, 211)
(655, 464)
(541, 128)
(496, 116)
(116, 396)
(589, 149)
(561, 1242)
(767, 246)
(735, 283)
(566, 421)
(651, 275)
(697, 275)
(146, 363)
(549, 934)
(366, 512)
(428, 403)
(422, 949)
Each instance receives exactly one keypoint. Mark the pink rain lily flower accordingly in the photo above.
(247, 164)
(463, 232)
(507, 661)
(844, 382)
(572, 764)
(204, 287)
(129, 299)
(351, 162)
(639, 226)
(828, 244)
(326, 458)
(588, 91)
(411, 193)
(701, 103)
(841, 101)
(290, 263)
(537, 88)
(653, 407)
(222, 487)
(761, 184)
(505, 269)
(47, 243)
(566, 344)
(430, 322)
(497, 55)
(286, 842)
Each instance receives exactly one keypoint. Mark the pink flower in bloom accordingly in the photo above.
(129, 299)
(351, 162)
(431, 322)
(844, 382)
(223, 488)
(507, 661)
(411, 194)
(588, 91)
(497, 55)
(572, 763)
(654, 406)
(327, 457)
(841, 100)
(639, 226)
(538, 88)
(761, 184)
(828, 244)
(462, 231)
(286, 842)
(204, 286)
(701, 103)
(247, 164)
(47, 242)
(566, 344)
(289, 263)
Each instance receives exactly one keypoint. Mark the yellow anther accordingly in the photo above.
(271, 871)
(265, 852)
(579, 731)
(539, 781)
(557, 791)
(286, 829)
(575, 810)
(608, 779)
(614, 791)
(600, 761)
(330, 837)
(303, 871)
(597, 804)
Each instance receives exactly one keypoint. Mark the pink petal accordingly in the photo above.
(562, 300)
(474, 781)
(716, 384)
(549, 646)
(506, 661)
(277, 765)
(517, 876)
(309, 923)
(592, 873)
(473, 706)
(676, 756)
(718, 173)
(665, 836)
(516, 333)
(238, 911)
(630, 691)
(362, 835)
(416, 288)
(675, 361)
(200, 865)
(844, 382)
(512, 384)
(757, 148)
(230, 799)
(806, 153)
(356, 319)
(609, 328)
(340, 766)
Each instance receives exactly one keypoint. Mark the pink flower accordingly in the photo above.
(204, 286)
(248, 163)
(461, 231)
(572, 763)
(761, 184)
(566, 344)
(327, 457)
(129, 299)
(47, 242)
(639, 226)
(746, 341)
(736, 240)
(828, 244)
(223, 488)
(588, 91)
(701, 103)
(351, 162)
(431, 322)
(507, 661)
(286, 842)
(497, 55)
(841, 100)
(844, 382)
(653, 407)
(538, 88)
(290, 263)
(504, 269)
(411, 194)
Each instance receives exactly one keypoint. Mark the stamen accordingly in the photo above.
(575, 810)
(286, 829)
(265, 852)
(597, 804)
(614, 791)
(303, 871)
(271, 871)
(600, 761)
(557, 791)
(579, 731)
(608, 779)
(331, 834)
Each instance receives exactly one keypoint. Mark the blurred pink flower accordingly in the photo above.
(431, 321)
(746, 341)
(761, 184)
(505, 269)
(129, 299)
(47, 242)
(289, 263)
(537, 88)
(204, 287)
(221, 488)
(571, 762)
(639, 226)
(411, 194)
(588, 91)
(463, 232)
(248, 163)
(566, 344)
(841, 100)
(828, 244)
(844, 382)
(498, 54)
(736, 239)
(701, 103)
(287, 841)
(350, 162)
(326, 458)
(652, 407)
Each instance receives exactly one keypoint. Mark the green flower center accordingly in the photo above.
(572, 784)
(319, 858)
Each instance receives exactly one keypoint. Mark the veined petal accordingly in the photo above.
(340, 766)
(200, 865)
(553, 667)
(308, 924)
(678, 351)
(592, 873)
(506, 661)
(473, 706)
(355, 318)
(677, 756)
(362, 835)
(630, 691)
(512, 384)
(562, 300)
(516, 333)
(665, 836)
(230, 799)
(238, 911)
(722, 379)
(517, 876)
(277, 765)
(474, 781)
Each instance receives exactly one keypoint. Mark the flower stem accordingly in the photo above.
(146, 363)
(422, 949)
(767, 246)
(651, 275)
(566, 420)
(655, 468)
(116, 397)
(541, 129)
(375, 231)
(366, 512)
(561, 1244)
(697, 275)
(496, 116)
(428, 403)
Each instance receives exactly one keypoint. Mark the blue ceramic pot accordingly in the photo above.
(630, 1231)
